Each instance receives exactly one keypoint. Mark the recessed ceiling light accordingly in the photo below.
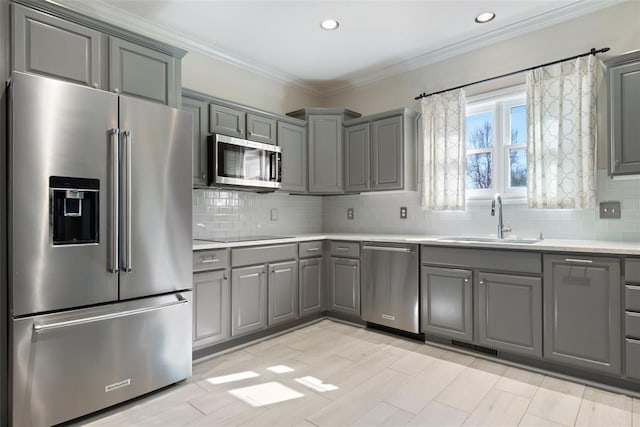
(329, 24)
(485, 17)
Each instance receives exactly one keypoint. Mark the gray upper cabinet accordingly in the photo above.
(310, 286)
(447, 304)
(226, 121)
(356, 157)
(582, 312)
(325, 154)
(510, 313)
(387, 154)
(46, 45)
(198, 109)
(248, 300)
(623, 74)
(211, 307)
(261, 129)
(283, 292)
(145, 73)
(345, 286)
(293, 141)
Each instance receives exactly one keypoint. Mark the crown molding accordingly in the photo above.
(99, 10)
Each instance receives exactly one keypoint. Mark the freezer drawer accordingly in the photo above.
(69, 364)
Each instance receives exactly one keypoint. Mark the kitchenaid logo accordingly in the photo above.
(117, 385)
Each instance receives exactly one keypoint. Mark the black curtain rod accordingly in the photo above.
(593, 51)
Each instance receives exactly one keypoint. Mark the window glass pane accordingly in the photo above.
(478, 171)
(518, 167)
(480, 130)
(518, 116)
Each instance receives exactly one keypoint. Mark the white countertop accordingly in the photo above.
(547, 245)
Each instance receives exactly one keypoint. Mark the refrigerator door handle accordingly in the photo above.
(39, 327)
(115, 199)
(127, 202)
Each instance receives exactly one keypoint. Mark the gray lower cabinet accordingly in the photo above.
(344, 285)
(53, 47)
(199, 112)
(293, 141)
(248, 300)
(387, 154)
(623, 74)
(226, 121)
(325, 153)
(310, 286)
(283, 292)
(261, 129)
(356, 158)
(142, 72)
(447, 302)
(582, 312)
(211, 307)
(510, 313)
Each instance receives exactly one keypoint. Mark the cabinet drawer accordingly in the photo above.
(263, 254)
(632, 324)
(486, 259)
(632, 270)
(211, 259)
(310, 249)
(632, 348)
(345, 249)
(632, 297)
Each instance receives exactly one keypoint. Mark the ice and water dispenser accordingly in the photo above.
(74, 210)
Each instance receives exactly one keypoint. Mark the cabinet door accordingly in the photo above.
(226, 121)
(43, 44)
(624, 105)
(211, 307)
(142, 72)
(261, 129)
(198, 109)
(248, 300)
(447, 308)
(345, 285)
(356, 158)
(582, 312)
(387, 154)
(293, 140)
(283, 292)
(510, 313)
(310, 286)
(325, 154)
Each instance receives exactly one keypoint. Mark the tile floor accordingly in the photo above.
(332, 374)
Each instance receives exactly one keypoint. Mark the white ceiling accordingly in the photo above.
(283, 39)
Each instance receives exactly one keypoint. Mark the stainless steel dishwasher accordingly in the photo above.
(389, 285)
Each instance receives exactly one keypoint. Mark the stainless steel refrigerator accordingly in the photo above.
(99, 248)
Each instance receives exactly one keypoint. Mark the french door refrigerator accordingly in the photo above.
(99, 229)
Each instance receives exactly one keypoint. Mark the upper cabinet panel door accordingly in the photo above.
(624, 107)
(198, 110)
(145, 73)
(325, 154)
(293, 141)
(356, 157)
(387, 154)
(261, 129)
(226, 121)
(43, 44)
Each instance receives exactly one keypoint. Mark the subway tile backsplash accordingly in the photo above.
(224, 214)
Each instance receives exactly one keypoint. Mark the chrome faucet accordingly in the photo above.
(497, 199)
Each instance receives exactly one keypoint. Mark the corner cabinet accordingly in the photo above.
(623, 81)
(582, 310)
(325, 154)
(199, 115)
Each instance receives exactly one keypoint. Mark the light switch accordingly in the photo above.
(274, 214)
(403, 212)
(350, 213)
(610, 210)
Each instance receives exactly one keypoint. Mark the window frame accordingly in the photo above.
(499, 103)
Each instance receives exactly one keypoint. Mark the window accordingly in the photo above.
(496, 144)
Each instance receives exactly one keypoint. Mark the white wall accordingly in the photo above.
(217, 78)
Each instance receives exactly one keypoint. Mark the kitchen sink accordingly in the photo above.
(473, 239)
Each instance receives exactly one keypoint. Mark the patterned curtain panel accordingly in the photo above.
(443, 127)
(561, 135)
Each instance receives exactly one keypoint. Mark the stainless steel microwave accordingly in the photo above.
(240, 163)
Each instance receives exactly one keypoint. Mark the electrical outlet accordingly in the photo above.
(350, 213)
(403, 212)
(610, 210)
(274, 214)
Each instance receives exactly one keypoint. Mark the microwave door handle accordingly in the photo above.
(272, 167)
(115, 199)
(278, 173)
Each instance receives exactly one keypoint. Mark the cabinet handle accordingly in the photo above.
(203, 176)
(96, 85)
(467, 281)
(224, 277)
(209, 260)
(482, 282)
(313, 249)
(579, 261)
(282, 270)
(632, 341)
(342, 248)
(240, 131)
(116, 90)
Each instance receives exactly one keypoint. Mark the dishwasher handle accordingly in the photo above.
(386, 249)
